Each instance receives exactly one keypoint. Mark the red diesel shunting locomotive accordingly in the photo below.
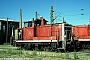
(41, 35)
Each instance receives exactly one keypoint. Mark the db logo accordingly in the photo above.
(29, 33)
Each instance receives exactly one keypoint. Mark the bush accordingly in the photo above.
(6, 44)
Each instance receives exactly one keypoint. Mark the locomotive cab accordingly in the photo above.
(67, 36)
(37, 22)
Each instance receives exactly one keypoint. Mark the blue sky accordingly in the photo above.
(69, 9)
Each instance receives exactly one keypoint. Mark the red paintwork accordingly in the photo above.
(82, 31)
(42, 32)
(48, 32)
(28, 33)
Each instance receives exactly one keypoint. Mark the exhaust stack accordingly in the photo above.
(36, 14)
(20, 18)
